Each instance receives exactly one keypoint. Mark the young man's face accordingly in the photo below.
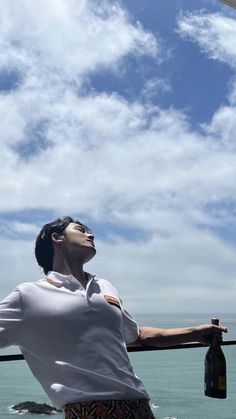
(79, 242)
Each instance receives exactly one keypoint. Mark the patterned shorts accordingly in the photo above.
(109, 409)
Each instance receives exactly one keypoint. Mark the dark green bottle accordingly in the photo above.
(215, 370)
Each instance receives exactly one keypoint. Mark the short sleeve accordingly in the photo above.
(130, 327)
(10, 319)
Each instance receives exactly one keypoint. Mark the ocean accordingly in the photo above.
(173, 378)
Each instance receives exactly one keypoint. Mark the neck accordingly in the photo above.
(71, 267)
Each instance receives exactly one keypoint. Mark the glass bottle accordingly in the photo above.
(215, 369)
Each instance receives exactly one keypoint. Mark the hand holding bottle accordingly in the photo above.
(207, 333)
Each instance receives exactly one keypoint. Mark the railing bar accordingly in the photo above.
(182, 346)
(18, 357)
(15, 357)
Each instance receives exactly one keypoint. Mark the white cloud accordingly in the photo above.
(154, 87)
(17, 264)
(129, 153)
(214, 33)
(114, 160)
(25, 228)
(63, 40)
(223, 126)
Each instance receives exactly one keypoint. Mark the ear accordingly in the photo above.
(57, 238)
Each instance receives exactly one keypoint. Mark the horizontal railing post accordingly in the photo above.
(18, 357)
(182, 346)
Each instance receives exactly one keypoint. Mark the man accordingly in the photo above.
(73, 330)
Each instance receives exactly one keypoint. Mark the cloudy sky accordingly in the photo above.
(123, 114)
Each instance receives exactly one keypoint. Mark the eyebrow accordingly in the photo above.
(87, 229)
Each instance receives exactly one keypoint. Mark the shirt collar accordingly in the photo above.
(68, 281)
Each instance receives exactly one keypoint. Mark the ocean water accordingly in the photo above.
(173, 378)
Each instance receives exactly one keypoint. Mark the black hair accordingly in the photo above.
(43, 243)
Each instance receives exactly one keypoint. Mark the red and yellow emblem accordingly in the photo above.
(112, 300)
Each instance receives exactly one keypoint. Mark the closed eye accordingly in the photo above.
(80, 229)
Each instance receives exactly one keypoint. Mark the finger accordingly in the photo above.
(222, 328)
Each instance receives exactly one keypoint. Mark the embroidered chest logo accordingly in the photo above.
(112, 300)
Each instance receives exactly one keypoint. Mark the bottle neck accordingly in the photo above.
(215, 344)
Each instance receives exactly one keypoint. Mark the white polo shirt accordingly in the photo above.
(74, 340)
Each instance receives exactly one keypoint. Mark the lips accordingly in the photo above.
(91, 241)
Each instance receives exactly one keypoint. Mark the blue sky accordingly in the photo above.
(123, 116)
(185, 67)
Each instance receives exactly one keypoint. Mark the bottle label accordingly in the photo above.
(222, 382)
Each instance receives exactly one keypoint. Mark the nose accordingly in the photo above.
(90, 236)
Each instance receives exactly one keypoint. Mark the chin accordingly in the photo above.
(92, 252)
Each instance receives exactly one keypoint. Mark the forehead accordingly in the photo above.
(77, 224)
(74, 224)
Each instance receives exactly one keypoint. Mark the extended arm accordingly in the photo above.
(152, 336)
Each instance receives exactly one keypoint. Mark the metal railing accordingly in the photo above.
(18, 357)
(182, 346)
